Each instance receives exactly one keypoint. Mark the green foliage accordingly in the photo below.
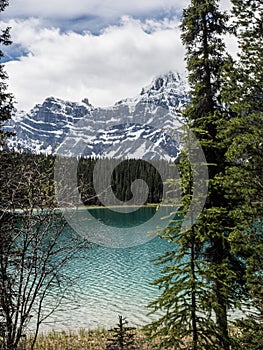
(185, 302)
(202, 27)
(122, 337)
(249, 334)
(122, 177)
(243, 92)
(205, 58)
(207, 115)
(205, 263)
(40, 179)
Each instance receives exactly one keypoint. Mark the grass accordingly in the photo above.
(83, 340)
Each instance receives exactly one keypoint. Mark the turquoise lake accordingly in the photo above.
(113, 281)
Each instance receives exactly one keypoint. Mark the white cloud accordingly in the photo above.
(104, 68)
(101, 8)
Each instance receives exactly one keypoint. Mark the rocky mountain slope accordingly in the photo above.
(140, 127)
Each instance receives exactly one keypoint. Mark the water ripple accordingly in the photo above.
(111, 282)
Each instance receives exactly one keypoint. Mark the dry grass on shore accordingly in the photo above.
(83, 340)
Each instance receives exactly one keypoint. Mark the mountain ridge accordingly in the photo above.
(140, 127)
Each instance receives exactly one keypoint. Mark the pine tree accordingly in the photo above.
(244, 135)
(184, 302)
(122, 337)
(203, 26)
(6, 99)
(244, 92)
(214, 278)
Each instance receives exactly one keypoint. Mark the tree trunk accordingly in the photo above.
(221, 317)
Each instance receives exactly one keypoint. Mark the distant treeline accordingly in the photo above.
(27, 175)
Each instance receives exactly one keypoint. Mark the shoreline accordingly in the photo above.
(148, 205)
(87, 207)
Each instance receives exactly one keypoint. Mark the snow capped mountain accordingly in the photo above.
(140, 127)
(46, 125)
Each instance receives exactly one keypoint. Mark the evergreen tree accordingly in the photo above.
(185, 304)
(247, 97)
(214, 278)
(244, 135)
(203, 26)
(244, 94)
(6, 99)
(122, 337)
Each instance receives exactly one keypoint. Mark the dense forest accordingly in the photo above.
(39, 177)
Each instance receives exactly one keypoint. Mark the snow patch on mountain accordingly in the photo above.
(140, 127)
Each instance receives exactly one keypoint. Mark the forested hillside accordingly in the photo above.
(38, 179)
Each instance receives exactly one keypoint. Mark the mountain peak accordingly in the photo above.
(60, 103)
(136, 126)
(162, 82)
(167, 90)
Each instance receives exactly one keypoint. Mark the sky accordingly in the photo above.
(101, 50)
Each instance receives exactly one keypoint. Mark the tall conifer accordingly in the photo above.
(244, 136)
(203, 27)
(217, 272)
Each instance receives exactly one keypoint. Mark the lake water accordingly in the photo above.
(114, 281)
